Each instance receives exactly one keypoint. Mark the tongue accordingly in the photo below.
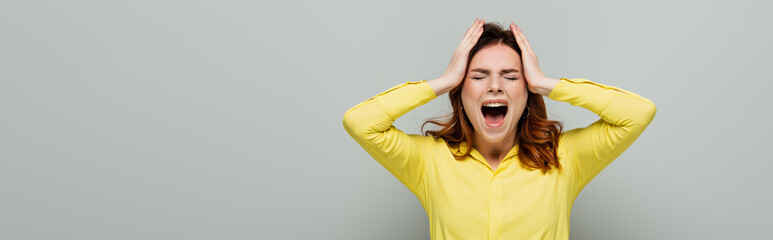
(494, 117)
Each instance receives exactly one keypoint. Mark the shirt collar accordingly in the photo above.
(477, 156)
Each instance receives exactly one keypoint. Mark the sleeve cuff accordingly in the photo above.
(558, 88)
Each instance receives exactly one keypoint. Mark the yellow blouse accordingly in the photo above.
(466, 199)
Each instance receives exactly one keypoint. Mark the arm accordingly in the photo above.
(624, 116)
(370, 124)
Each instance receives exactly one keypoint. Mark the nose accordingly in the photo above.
(495, 86)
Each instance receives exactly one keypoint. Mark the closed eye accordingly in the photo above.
(479, 78)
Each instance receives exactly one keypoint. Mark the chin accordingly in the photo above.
(493, 135)
(495, 138)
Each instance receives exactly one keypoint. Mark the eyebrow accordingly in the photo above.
(486, 71)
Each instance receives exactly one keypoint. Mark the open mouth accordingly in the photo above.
(494, 113)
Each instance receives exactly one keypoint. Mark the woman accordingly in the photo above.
(477, 176)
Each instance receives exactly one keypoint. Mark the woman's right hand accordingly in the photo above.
(458, 65)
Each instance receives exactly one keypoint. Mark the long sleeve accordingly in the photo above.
(370, 124)
(624, 116)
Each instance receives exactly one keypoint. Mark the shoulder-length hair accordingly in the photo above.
(536, 136)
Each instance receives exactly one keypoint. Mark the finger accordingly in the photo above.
(476, 33)
(472, 30)
(469, 32)
(470, 40)
(517, 36)
(523, 36)
(523, 39)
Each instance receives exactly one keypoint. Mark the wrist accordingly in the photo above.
(545, 86)
(441, 85)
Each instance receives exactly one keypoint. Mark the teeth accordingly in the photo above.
(494, 105)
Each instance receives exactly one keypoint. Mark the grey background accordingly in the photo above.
(222, 119)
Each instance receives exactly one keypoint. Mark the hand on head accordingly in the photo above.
(455, 73)
(457, 67)
(531, 69)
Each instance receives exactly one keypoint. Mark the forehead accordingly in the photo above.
(497, 56)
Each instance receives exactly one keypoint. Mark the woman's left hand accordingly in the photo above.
(535, 79)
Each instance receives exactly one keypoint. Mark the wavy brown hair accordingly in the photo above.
(536, 135)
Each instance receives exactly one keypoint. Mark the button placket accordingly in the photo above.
(495, 209)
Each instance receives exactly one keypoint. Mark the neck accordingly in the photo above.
(494, 152)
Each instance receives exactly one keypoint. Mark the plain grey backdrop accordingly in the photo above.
(222, 119)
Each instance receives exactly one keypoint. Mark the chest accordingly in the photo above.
(466, 193)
